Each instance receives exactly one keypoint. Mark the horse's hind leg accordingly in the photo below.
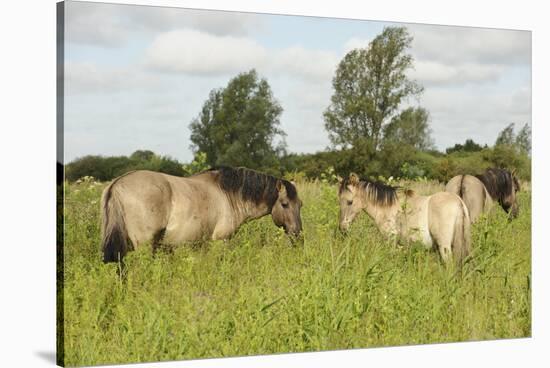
(157, 238)
(446, 253)
(444, 242)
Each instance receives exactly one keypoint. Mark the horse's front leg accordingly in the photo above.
(223, 232)
(157, 239)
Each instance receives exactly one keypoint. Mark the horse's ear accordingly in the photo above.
(340, 179)
(280, 187)
(513, 172)
(293, 183)
(353, 179)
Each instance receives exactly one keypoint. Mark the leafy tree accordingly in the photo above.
(411, 128)
(238, 125)
(197, 165)
(523, 139)
(508, 157)
(445, 169)
(520, 142)
(142, 155)
(369, 86)
(506, 136)
(468, 146)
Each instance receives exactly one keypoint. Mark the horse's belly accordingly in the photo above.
(191, 230)
(417, 235)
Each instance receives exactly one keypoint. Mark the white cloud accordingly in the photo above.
(355, 43)
(194, 52)
(215, 22)
(190, 51)
(470, 112)
(95, 24)
(312, 64)
(459, 45)
(112, 25)
(431, 73)
(84, 77)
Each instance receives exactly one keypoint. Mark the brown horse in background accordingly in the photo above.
(438, 221)
(145, 206)
(481, 191)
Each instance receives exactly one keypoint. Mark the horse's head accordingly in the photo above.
(286, 209)
(351, 202)
(509, 201)
(503, 187)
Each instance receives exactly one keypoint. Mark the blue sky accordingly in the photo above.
(136, 76)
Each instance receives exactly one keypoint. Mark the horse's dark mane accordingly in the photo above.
(252, 185)
(380, 193)
(498, 182)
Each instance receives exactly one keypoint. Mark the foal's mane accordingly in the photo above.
(498, 182)
(252, 185)
(376, 191)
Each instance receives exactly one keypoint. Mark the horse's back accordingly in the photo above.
(445, 201)
(453, 185)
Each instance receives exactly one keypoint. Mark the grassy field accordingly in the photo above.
(256, 294)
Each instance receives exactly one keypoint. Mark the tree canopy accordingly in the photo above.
(410, 127)
(468, 146)
(520, 141)
(506, 136)
(370, 85)
(523, 139)
(239, 125)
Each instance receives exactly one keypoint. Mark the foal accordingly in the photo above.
(440, 221)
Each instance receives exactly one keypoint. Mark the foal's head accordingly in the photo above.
(356, 195)
(285, 212)
(351, 200)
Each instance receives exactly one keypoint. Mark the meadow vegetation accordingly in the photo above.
(258, 294)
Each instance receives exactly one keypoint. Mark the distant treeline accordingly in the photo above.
(407, 162)
(108, 167)
(398, 161)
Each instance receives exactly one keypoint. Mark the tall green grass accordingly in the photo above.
(258, 294)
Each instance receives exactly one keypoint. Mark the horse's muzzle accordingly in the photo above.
(295, 233)
(344, 227)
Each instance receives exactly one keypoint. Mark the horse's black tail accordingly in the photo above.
(113, 227)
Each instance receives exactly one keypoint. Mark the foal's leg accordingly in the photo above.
(442, 217)
(444, 241)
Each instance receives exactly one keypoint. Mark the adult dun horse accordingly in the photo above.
(438, 221)
(145, 206)
(481, 191)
